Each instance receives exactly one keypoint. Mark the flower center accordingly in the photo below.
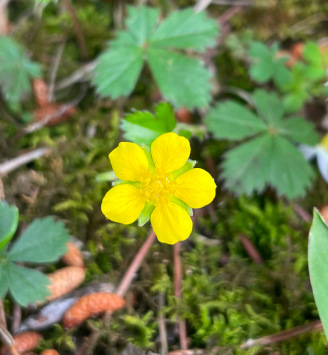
(157, 187)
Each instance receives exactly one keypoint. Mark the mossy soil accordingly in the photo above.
(228, 295)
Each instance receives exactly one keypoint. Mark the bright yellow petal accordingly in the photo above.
(123, 204)
(170, 152)
(195, 187)
(171, 223)
(129, 162)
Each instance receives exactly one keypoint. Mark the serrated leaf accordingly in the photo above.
(186, 29)
(141, 22)
(8, 222)
(44, 240)
(143, 127)
(230, 120)
(267, 160)
(183, 81)
(318, 256)
(16, 70)
(269, 106)
(117, 71)
(27, 285)
(298, 130)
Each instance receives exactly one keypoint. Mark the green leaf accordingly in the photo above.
(294, 101)
(318, 256)
(117, 71)
(298, 130)
(267, 159)
(186, 29)
(312, 54)
(165, 113)
(44, 240)
(143, 127)
(27, 285)
(16, 70)
(4, 281)
(141, 22)
(266, 65)
(230, 120)
(146, 213)
(184, 81)
(8, 222)
(268, 106)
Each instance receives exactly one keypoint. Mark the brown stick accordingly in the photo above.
(138, 259)
(178, 294)
(78, 31)
(286, 334)
(251, 250)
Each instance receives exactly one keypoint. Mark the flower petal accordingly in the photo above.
(129, 162)
(196, 188)
(123, 204)
(170, 152)
(171, 223)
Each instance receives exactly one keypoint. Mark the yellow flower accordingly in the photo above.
(160, 184)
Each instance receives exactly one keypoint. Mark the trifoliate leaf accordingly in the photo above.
(266, 65)
(318, 256)
(141, 22)
(298, 130)
(44, 240)
(186, 29)
(27, 285)
(8, 222)
(230, 120)
(16, 70)
(183, 81)
(268, 106)
(267, 160)
(143, 127)
(118, 70)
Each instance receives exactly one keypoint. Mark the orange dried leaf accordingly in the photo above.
(23, 342)
(73, 256)
(65, 280)
(92, 304)
(50, 352)
(183, 115)
(41, 92)
(53, 114)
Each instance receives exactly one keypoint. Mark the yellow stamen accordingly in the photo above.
(157, 187)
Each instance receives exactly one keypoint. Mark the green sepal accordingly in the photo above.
(189, 165)
(146, 213)
(182, 205)
(117, 182)
(147, 151)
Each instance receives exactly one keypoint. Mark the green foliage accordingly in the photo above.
(43, 241)
(143, 127)
(141, 329)
(8, 223)
(301, 83)
(270, 157)
(16, 70)
(266, 65)
(318, 256)
(184, 81)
